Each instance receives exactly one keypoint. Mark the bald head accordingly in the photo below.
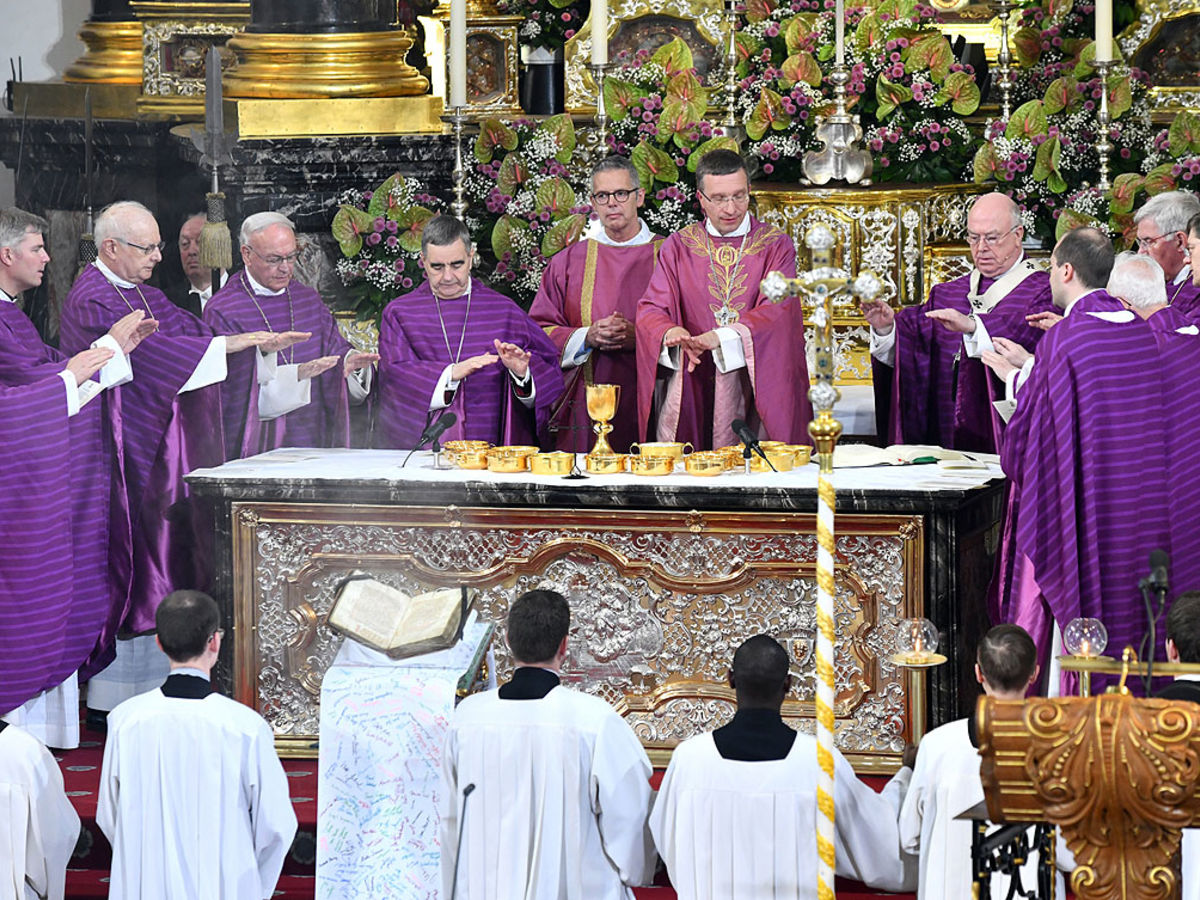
(994, 233)
(128, 240)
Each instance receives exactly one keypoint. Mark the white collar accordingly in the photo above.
(1185, 272)
(112, 277)
(597, 233)
(258, 288)
(190, 670)
(741, 231)
(4, 295)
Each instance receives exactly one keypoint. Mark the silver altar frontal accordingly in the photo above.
(666, 577)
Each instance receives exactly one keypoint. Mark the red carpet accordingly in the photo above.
(87, 877)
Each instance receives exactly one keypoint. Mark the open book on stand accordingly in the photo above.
(390, 621)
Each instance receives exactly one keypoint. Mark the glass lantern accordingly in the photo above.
(1085, 637)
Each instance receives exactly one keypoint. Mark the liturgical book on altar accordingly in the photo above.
(850, 456)
(390, 621)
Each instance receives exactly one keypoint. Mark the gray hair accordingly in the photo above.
(616, 164)
(261, 221)
(443, 230)
(111, 221)
(1138, 280)
(1170, 211)
(16, 223)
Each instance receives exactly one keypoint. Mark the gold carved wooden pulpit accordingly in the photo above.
(1116, 773)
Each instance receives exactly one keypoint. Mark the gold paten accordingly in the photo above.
(673, 449)
(311, 66)
(706, 463)
(264, 118)
(649, 464)
(782, 458)
(113, 55)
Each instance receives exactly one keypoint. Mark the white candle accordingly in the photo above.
(458, 53)
(839, 17)
(599, 32)
(1104, 31)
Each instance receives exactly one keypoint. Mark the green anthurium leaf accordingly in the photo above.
(686, 87)
(747, 47)
(563, 233)
(868, 33)
(554, 196)
(1120, 96)
(1159, 180)
(984, 165)
(801, 67)
(825, 52)
(1027, 46)
(412, 223)
(767, 115)
(795, 31)
(930, 51)
(1056, 183)
(905, 10)
(383, 203)
(674, 56)
(889, 95)
(1184, 134)
(502, 233)
(1124, 192)
(759, 10)
(494, 135)
(1062, 94)
(960, 90)
(513, 173)
(350, 224)
(619, 96)
(1057, 8)
(1070, 219)
(563, 130)
(1084, 67)
(717, 143)
(653, 164)
(1028, 120)
(1046, 161)
(1125, 228)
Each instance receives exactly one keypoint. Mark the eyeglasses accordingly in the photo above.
(736, 199)
(1147, 243)
(146, 249)
(601, 198)
(989, 240)
(276, 261)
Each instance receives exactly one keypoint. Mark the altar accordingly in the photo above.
(666, 577)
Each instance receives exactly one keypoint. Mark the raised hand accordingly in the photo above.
(130, 329)
(879, 315)
(695, 348)
(953, 320)
(282, 340)
(356, 360)
(512, 357)
(85, 364)
(1012, 351)
(461, 370)
(315, 367)
(1044, 321)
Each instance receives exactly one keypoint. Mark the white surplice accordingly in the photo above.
(558, 811)
(40, 827)
(193, 800)
(731, 829)
(945, 783)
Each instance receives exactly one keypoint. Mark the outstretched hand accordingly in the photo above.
(512, 357)
(130, 329)
(85, 364)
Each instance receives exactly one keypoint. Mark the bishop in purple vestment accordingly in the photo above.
(711, 347)
(1162, 234)
(930, 386)
(454, 345)
(588, 302)
(294, 398)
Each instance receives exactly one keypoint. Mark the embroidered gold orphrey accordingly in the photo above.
(726, 274)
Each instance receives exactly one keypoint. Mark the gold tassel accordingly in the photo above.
(216, 243)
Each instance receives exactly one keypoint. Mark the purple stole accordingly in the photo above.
(413, 355)
(59, 504)
(584, 283)
(166, 435)
(688, 288)
(928, 397)
(325, 421)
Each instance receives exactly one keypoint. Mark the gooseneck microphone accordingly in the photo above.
(750, 439)
(432, 432)
(1154, 583)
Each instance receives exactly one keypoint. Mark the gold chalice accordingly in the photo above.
(602, 402)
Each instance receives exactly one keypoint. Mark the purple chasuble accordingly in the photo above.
(696, 273)
(166, 435)
(1098, 456)
(64, 525)
(413, 355)
(584, 283)
(1185, 298)
(929, 399)
(325, 421)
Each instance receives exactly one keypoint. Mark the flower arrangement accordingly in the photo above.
(547, 23)
(905, 84)
(658, 105)
(379, 233)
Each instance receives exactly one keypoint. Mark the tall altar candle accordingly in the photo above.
(1104, 31)
(839, 15)
(458, 53)
(599, 32)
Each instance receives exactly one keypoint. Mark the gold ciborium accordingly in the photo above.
(602, 402)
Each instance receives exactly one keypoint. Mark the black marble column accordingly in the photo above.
(111, 11)
(320, 16)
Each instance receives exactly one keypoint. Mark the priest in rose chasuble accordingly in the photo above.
(930, 386)
(455, 345)
(711, 347)
(588, 303)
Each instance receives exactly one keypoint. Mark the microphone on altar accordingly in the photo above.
(462, 823)
(750, 439)
(432, 432)
(1157, 583)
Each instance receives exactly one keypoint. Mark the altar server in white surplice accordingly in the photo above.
(736, 815)
(946, 782)
(38, 825)
(550, 787)
(193, 798)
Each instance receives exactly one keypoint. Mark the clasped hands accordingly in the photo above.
(613, 332)
(509, 355)
(693, 346)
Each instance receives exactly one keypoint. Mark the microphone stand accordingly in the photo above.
(1146, 586)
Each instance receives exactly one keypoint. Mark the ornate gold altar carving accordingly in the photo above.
(493, 57)
(637, 24)
(1117, 774)
(324, 66)
(113, 54)
(1165, 40)
(661, 599)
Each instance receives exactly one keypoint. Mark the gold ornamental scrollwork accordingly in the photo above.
(248, 517)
